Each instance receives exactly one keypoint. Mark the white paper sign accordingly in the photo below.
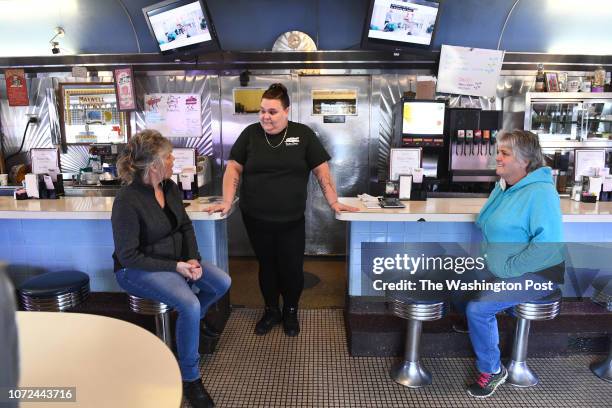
(469, 71)
(183, 158)
(402, 161)
(174, 115)
(586, 160)
(44, 160)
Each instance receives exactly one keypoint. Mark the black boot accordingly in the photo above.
(291, 325)
(271, 317)
(208, 330)
(197, 395)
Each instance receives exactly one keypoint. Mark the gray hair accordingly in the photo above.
(526, 146)
(143, 151)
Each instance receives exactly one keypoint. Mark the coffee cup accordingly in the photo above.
(3, 179)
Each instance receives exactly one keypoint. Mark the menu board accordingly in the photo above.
(469, 71)
(174, 115)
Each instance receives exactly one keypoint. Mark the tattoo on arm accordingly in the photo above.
(326, 184)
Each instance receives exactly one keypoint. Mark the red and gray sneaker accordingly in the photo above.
(487, 383)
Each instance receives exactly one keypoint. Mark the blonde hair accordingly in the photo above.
(144, 151)
(525, 146)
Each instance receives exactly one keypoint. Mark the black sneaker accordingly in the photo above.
(486, 384)
(271, 317)
(197, 395)
(291, 325)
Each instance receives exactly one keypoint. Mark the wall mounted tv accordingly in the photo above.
(400, 24)
(180, 26)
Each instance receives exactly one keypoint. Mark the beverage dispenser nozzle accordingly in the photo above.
(478, 140)
(493, 139)
(469, 140)
(486, 140)
(460, 140)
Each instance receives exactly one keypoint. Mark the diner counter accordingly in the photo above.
(464, 210)
(84, 208)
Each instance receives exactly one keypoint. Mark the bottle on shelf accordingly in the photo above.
(599, 80)
(608, 84)
(540, 82)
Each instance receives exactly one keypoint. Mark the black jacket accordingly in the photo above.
(144, 238)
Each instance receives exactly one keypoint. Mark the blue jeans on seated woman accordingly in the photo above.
(171, 288)
(482, 322)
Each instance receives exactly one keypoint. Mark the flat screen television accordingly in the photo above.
(400, 24)
(181, 25)
(423, 118)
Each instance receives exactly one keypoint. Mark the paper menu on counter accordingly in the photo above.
(402, 161)
(183, 158)
(586, 160)
(44, 160)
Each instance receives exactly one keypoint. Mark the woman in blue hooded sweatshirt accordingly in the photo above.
(522, 234)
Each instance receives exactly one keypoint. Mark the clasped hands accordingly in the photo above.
(191, 269)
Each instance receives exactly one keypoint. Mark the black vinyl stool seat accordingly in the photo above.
(547, 308)
(160, 310)
(410, 372)
(603, 296)
(54, 291)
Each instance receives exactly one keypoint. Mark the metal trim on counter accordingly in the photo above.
(87, 208)
(464, 210)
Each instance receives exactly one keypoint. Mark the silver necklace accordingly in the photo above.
(282, 140)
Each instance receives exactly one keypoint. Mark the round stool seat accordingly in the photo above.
(415, 305)
(546, 308)
(147, 306)
(54, 291)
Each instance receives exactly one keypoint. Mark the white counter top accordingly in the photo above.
(464, 210)
(82, 208)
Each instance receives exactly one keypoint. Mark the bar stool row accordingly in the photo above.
(410, 372)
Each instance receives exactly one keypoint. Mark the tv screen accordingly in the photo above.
(423, 118)
(181, 25)
(401, 23)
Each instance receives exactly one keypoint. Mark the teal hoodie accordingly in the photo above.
(522, 226)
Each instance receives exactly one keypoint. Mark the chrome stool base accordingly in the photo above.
(603, 369)
(410, 374)
(520, 375)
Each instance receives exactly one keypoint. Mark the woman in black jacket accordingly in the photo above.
(156, 254)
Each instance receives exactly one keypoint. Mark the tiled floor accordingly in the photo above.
(315, 370)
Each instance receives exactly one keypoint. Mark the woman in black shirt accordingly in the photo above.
(156, 254)
(274, 158)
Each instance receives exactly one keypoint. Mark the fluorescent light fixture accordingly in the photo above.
(11, 10)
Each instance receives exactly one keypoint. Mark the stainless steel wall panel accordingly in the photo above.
(231, 125)
(390, 89)
(348, 144)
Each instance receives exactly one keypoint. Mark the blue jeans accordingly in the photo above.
(482, 322)
(171, 288)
